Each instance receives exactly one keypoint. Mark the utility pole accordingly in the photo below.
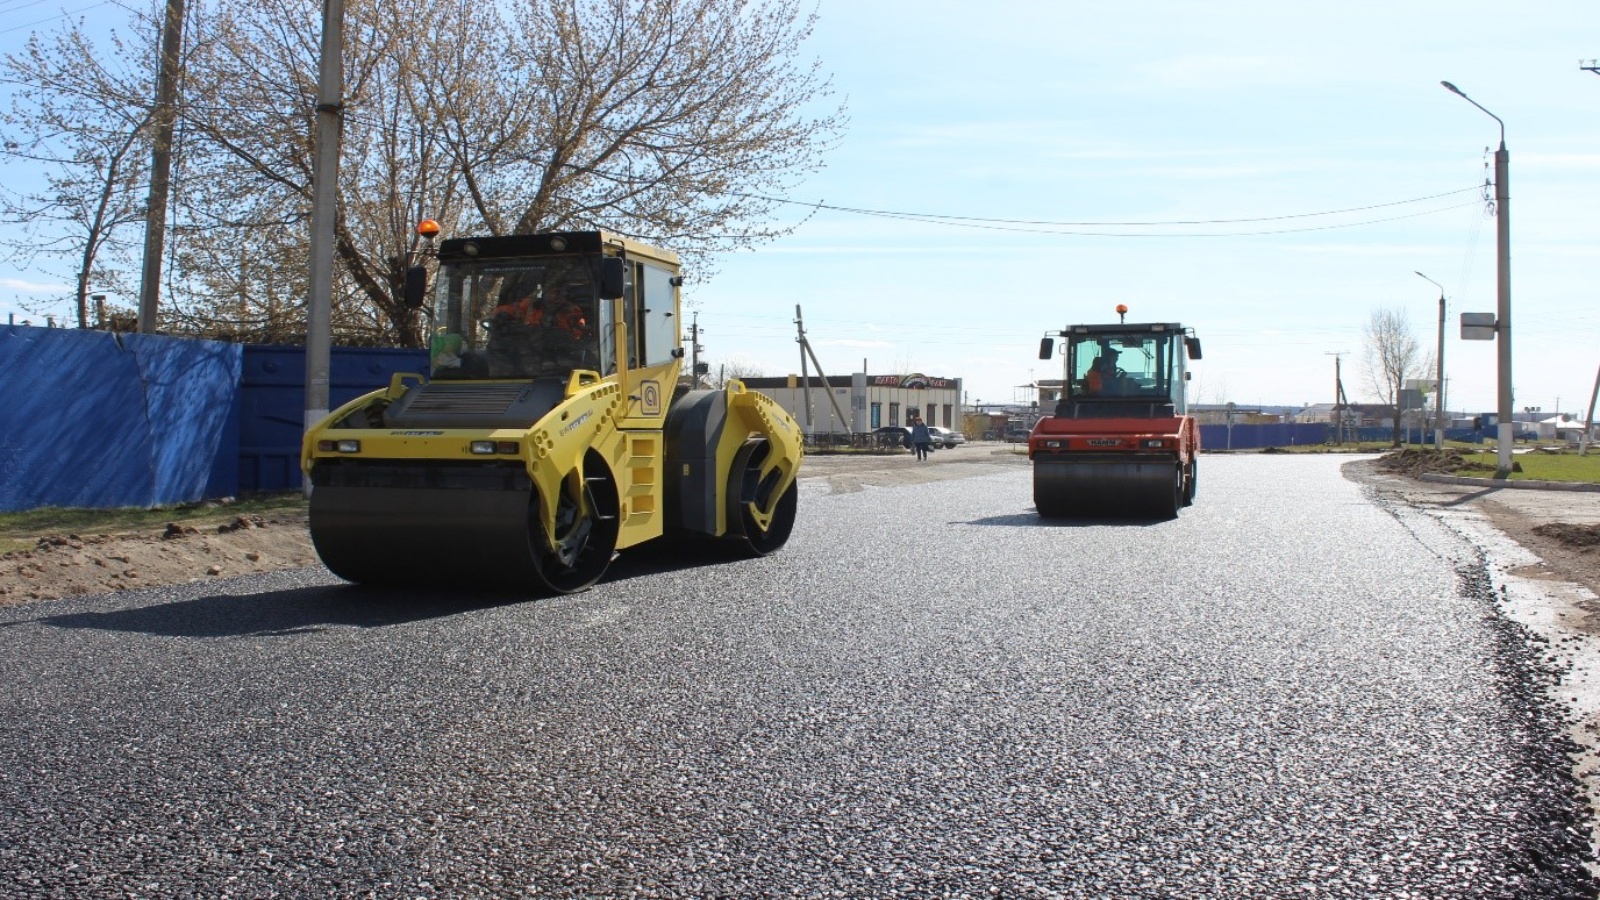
(1338, 398)
(1438, 396)
(695, 348)
(1592, 65)
(1505, 429)
(805, 376)
(324, 197)
(805, 350)
(155, 215)
(1588, 421)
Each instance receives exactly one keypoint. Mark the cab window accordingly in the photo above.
(658, 317)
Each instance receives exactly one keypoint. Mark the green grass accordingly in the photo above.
(1538, 465)
(21, 530)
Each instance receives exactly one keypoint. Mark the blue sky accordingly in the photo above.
(1166, 111)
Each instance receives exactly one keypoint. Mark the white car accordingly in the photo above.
(944, 437)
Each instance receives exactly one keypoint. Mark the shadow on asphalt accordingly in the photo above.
(311, 609)
(1032, 519)
(1468, 498)
(298, 611)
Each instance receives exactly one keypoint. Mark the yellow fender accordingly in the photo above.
(558, 443)
(753, 414)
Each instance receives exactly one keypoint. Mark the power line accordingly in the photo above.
(1197, 234)
(942, 217)
(56, 18)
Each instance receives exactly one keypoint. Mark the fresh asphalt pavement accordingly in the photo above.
(1291, 690)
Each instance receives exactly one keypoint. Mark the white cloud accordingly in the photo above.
(31, 287)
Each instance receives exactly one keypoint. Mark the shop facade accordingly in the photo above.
(860, 402)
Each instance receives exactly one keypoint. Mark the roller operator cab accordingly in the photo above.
(551, 432)
(1121, 441)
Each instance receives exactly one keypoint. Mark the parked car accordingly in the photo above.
(891, 436)
(946, 438)
(1017, 435)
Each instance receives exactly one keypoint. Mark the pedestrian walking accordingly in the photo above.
(919, 437)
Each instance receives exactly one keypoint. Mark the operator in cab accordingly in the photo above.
(537, 330)
(1103, 378)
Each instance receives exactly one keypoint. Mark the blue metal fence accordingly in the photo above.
(97, 419)
(101, 419)
(1256, 437)
(272, 396)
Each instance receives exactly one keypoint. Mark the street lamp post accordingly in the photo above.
(1438, 397)
(1502, 325)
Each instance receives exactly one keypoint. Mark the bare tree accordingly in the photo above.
(720, 373)
(80, 121)
(682, 122)
(1392, 356)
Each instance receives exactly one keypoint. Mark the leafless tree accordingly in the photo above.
(1392, 357)
(718, 374)
(76, 117)
(681, 122)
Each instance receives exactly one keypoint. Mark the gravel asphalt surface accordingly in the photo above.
(1293, 689)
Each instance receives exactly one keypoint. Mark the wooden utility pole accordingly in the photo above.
(155, 216)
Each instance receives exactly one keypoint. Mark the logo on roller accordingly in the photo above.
(567, 429)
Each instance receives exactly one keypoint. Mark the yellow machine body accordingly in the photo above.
(528, 463)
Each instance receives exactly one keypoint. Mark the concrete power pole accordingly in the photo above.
(805, 376)
(1592, 65)
(324, 196)
(805, 351)
(155, 216)
(1338, 399)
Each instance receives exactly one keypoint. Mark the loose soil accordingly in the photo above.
(65, 565)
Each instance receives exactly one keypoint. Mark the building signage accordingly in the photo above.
(914, 381)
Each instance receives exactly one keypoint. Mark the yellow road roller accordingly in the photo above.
(551, 431)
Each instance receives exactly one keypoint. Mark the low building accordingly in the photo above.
(860, 402)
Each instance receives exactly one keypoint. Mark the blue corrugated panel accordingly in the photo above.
(1257, 437)
(272, 399)
(96, 419)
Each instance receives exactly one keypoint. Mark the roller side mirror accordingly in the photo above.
(612, 269)
(416, 286)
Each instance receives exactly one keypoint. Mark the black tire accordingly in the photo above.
(1048, 505)
(586, 530)
(747, 492)
(1169, 504)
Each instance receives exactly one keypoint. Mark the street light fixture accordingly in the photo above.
(1438, 397)
(1502, 325)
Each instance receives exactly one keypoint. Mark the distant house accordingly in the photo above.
(865, 401)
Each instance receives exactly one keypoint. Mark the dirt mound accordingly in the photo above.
(1424, 462)
(1581, 536)
(67, 565)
